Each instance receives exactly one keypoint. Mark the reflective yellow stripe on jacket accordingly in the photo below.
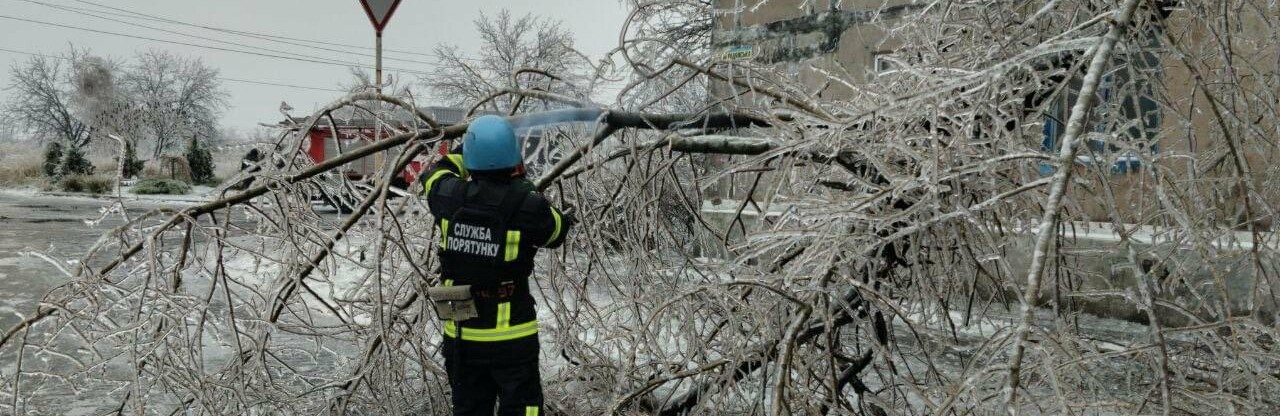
(491, 334)
(513, 246)
(435, 177)
(504, 315)
(555, 233)
(444, 233)
(456, 159)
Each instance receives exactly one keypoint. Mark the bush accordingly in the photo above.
(161, 187)
(72, 184)
(74, 162)
(200, 159)
(52, 159)
(86, 184)
(132, 166)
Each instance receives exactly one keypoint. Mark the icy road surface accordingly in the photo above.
(52, 225)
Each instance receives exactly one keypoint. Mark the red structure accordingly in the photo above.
(323, 143)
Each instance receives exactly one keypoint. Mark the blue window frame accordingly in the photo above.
(1122, 104)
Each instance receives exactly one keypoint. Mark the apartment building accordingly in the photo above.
(1154, 113)
(832, 35)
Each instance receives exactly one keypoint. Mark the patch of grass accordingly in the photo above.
(212, 182)
(161, 187)
(86, 184)
(20, 164)
(20, 175)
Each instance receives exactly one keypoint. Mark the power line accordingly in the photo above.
(86, 12)
(143, 16)
(238, 32)
(217, 48)
(133, 14)
(258, 35)
(31, 53)
(246, 81)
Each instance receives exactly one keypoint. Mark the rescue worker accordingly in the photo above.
(492, 222)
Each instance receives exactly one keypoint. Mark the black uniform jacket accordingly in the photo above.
(491, 228)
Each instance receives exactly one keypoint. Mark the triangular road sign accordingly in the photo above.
(379, 11)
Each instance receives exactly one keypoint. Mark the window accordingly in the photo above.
(882, 64)
(1126, 120)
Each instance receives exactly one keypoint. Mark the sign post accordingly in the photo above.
(379, 12)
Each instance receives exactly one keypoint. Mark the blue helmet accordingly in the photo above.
(490, 144)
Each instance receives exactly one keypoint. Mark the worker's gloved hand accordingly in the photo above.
(567, 219)
(526, 185)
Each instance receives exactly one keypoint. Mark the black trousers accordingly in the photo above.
(517, 389)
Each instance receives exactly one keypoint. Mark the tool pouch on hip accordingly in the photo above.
(453, 303)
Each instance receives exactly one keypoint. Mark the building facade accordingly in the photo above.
(1149, 101)
(840, 37)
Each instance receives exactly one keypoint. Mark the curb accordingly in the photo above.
(125, 196)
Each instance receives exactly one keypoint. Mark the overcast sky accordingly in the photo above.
(418, 26)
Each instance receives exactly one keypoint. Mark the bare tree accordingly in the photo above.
(538, 45)
(362, 81)
(177, 97)
(42, 98)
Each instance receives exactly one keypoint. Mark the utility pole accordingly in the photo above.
(379, 12)
(378, 66)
